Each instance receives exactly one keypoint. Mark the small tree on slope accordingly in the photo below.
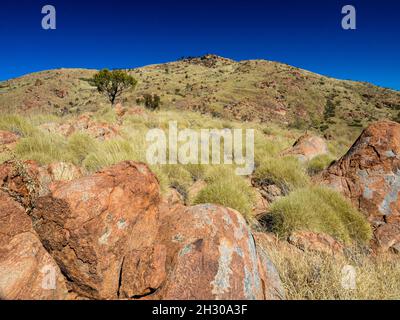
(113, 83)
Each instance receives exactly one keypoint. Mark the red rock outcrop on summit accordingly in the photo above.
(369, 174)
(307, 147)
(27, 271)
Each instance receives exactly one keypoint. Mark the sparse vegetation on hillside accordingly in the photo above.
(255, 90)
(278, 101)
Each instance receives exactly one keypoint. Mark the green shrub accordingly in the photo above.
(197, 171)
(113, 83)
(319, 163)
(106, 114)
(265, 148)
(319, 209)
(161, 176)
(287, 173)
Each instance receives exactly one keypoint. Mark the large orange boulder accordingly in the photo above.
(91, 224)
(369, 174)
(206, 252)
(113, 238)
(307, 147)
(27, 271)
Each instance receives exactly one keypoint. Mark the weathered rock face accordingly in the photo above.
(109, 236)
(369, 174)
(24, 181)
(90, 225)
(307, 147)
(209, 253)
(312, 241)
(27, 271)
(261, 204)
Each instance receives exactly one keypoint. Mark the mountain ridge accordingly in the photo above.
(248, 90)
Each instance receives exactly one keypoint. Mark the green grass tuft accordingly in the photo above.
(287, 173)
(319, 209)
(319, 163)
(18, 125)
(227, 189)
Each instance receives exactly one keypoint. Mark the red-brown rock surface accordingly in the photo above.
(307, 147)
(27, 271)
(24, 180)
(89, 225)
(112, 238)
(85, 124)
(210, 253)
(369, 174)
(7, 137)
(312, 241)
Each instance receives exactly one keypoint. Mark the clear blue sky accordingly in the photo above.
(113, 34)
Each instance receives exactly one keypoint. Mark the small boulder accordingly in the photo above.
(27, 271)
(319, 242)
(8, 138)
(307, 147)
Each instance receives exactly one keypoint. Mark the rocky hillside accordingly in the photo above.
(83, 216)
(247, 90)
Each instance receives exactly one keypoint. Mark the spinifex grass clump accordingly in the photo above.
(287, 173)
(320, 209)
(227, 189)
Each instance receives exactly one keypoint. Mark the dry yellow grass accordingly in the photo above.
(316, 276)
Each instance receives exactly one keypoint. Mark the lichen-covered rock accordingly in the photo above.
(27, 271)
(24, 181)
(89, 225)
(369, 175)
(113, 238)
(210, 253)
(307, 147)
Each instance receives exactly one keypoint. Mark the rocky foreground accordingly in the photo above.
(111, 235)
